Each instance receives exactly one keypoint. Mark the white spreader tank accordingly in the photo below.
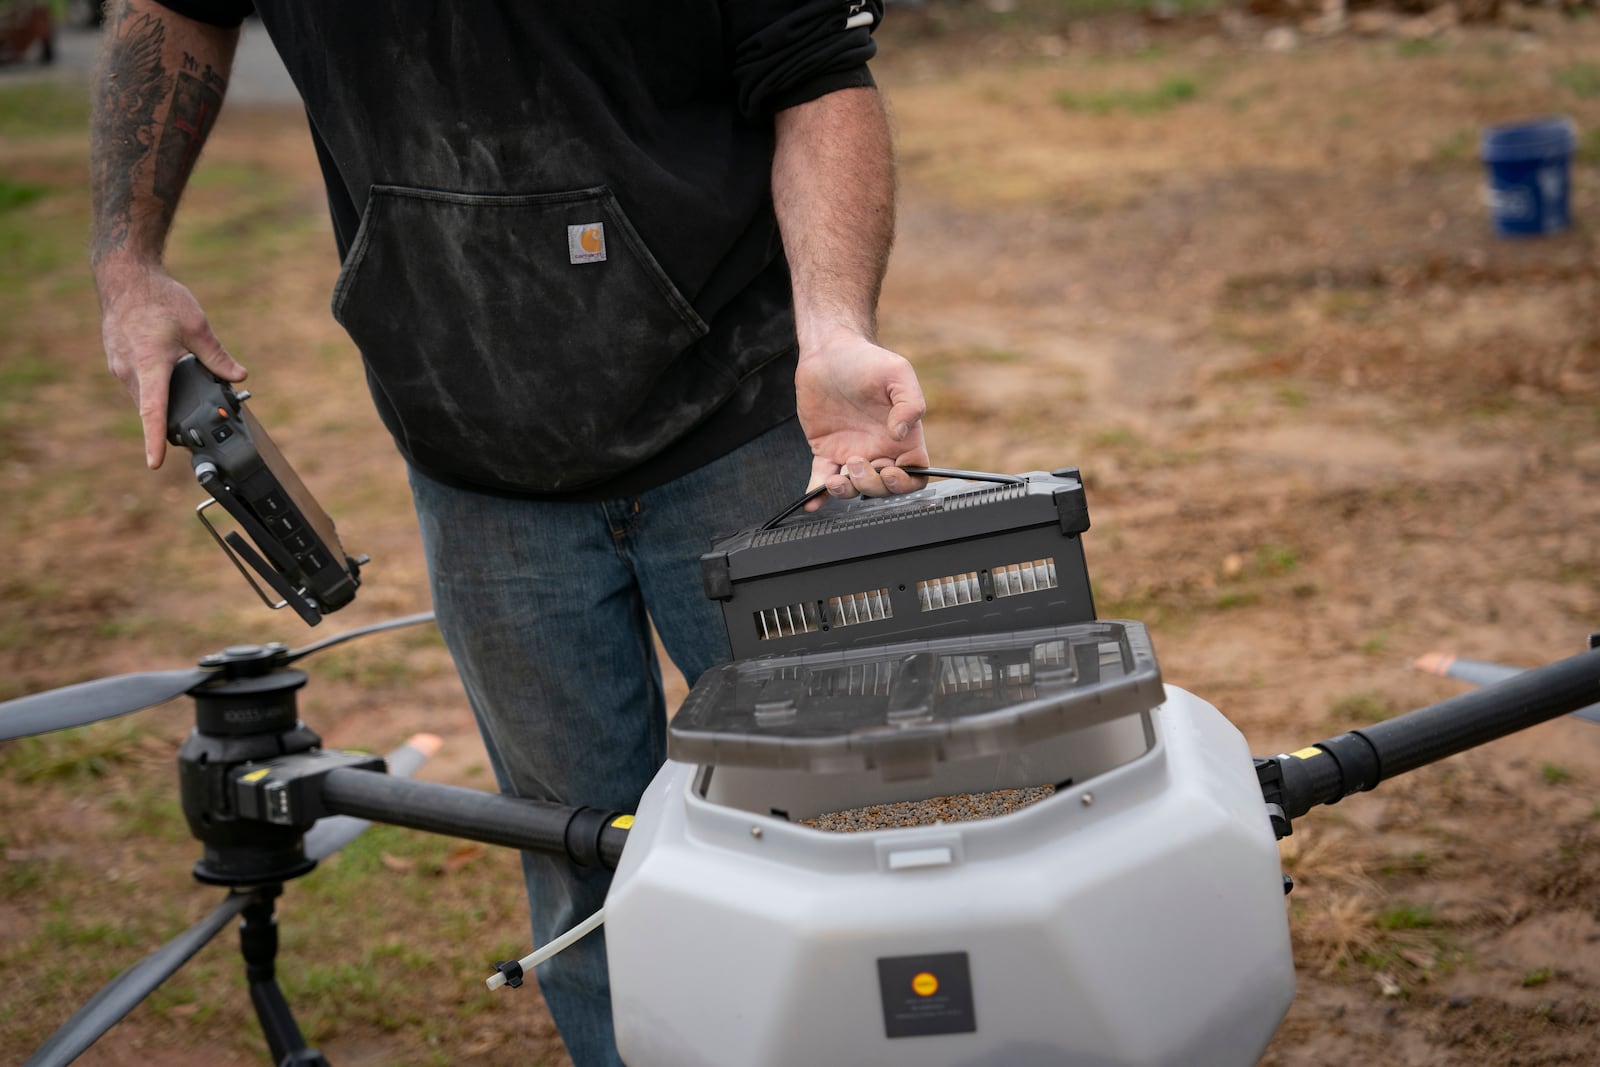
(1134, 915)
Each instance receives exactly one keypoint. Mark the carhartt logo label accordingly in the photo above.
(586, 243)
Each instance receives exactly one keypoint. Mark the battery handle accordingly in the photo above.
(926, 472)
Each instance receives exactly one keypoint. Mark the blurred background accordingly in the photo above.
(1237, 261)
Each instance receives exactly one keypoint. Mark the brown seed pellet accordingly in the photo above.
(959, 807)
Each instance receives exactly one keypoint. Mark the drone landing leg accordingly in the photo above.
(258, 939)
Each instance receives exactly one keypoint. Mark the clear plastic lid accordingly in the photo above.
(949, 699)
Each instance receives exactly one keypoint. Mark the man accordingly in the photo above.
(596, 257)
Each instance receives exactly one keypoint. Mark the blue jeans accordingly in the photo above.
(545, 606)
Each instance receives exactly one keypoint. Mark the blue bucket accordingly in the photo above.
(1528, 165)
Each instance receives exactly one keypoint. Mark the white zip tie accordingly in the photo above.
(566, 940)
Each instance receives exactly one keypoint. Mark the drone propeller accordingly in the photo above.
(1483, 672)
(124, 992)
(108, 698)
(87, 702)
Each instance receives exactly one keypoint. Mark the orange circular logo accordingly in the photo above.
(925, 985)
(590, 240)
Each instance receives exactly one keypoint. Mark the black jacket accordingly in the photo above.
(560, 259)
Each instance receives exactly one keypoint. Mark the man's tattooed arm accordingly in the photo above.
(157, 90)
(157, 93)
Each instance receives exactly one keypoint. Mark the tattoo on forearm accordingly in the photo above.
(124, 126)
(195, 103)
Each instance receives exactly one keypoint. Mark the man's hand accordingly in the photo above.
(861, 408)
(148, 322)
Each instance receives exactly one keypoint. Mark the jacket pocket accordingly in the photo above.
(526, 343)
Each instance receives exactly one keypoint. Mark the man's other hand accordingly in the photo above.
(861, 408)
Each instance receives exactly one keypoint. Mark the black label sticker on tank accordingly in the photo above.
(925, 995)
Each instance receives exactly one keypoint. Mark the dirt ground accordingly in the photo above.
(1328, 423)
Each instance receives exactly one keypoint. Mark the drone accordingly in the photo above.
(890, 654)
(267, 802)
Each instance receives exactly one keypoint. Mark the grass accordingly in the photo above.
(1580, 79)
(367, 667)
(1418, 47)
(1588, 150)
(1412, 863)
(1409, 944)
(67, 931)
(1273, 560)
(148, 810)
(1459, 147)
(1136, 452)
(20, 375)
(1292, 397)
(1342, 928)
(86, 754)
(1168, 94)
(1115, 437)
(996, 355)
(352, 986)
(1554, 774)
(1241, 101)
(1161, 614)
(15, 194)
(35, 242)
(1406, 917)
(43, 110)
(1360, 709)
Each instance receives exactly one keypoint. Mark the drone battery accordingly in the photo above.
(959, 557)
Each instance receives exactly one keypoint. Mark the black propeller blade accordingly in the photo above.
(331, 834)
(87, 702)
(1483, 672)
(124, 992)
(107, 698)
(361, 631)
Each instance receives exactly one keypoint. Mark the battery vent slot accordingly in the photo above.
(787, 621)
(949, 591)
(1030, 577)
(854, 608)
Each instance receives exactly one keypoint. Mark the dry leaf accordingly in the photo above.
(462, 855)
(398, 865)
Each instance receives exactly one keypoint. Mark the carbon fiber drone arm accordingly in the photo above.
(1352, 762)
